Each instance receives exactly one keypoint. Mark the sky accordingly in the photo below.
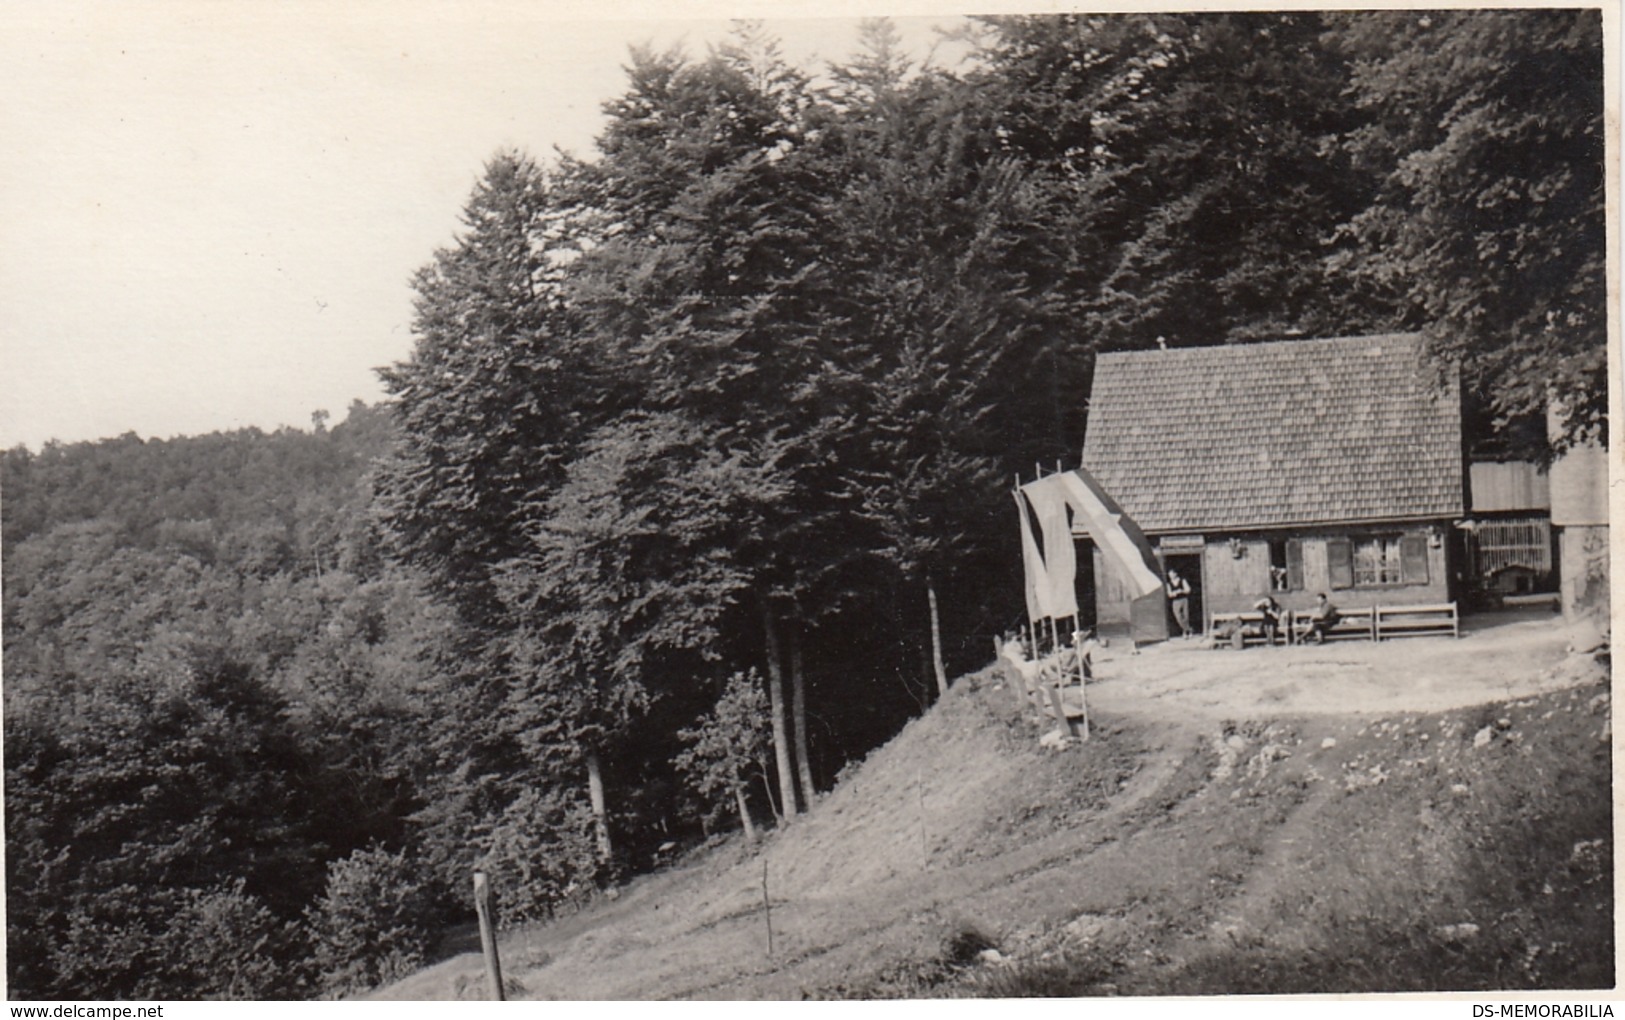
(211, 209)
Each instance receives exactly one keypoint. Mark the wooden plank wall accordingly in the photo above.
(1232, 584)
(1500, 488)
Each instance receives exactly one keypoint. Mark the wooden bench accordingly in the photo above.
(1550, 599)
(1379, 622)
(1351, 624)
(1222, 627)
(1417, 621)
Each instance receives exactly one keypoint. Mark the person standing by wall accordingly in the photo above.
(1179, 599)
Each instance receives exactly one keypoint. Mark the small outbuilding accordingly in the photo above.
(1286, 469)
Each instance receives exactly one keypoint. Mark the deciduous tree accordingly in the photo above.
(728, 746)
(1484, 133)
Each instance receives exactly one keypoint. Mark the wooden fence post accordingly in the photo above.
(767, 908)
(919, 786)
(488, 938)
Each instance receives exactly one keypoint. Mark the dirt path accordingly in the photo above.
(962, 823)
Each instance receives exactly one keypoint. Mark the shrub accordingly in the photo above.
(540, 853)
(372, 923)
(225, 944)
(218, 943)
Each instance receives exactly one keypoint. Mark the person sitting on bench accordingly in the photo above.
(1078, 658)
(1322, 619)
(1271, 611)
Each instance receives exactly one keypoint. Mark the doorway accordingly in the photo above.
(1189, 566)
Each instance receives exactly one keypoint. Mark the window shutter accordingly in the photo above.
(1340, 562)
(1413, 559)
(1294, 564)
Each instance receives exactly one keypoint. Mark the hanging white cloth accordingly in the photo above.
(1037, 579)
(1049, 499)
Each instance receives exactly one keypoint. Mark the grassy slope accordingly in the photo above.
(1163, 857)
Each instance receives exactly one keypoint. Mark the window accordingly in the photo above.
(1501, 545)
(1286, 564)
(1377, 561)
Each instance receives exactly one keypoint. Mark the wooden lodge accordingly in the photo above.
(1287, 469)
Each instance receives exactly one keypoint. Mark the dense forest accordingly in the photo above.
(691, 490)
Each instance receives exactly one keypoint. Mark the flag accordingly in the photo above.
(1037, 580)
(1060, 558)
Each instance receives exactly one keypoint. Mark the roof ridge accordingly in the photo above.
(1231, 345)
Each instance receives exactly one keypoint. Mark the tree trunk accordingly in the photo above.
(798, 713)
(744, 811)
(767, 787)
(775, 701)
(936, 639)
(600, 815)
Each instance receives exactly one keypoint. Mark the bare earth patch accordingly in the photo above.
(1497, 657)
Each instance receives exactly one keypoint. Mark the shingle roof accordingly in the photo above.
(1277, 434)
